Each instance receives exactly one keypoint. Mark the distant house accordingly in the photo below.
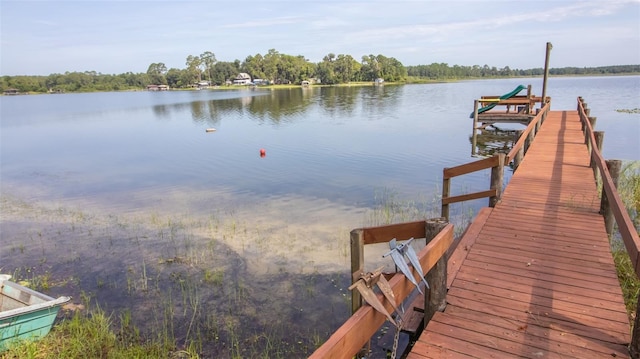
(157, 88)
(243, 78)
(11, 92)
(379, 81)
(305, 83)
(203, 84)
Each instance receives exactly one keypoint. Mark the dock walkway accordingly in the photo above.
(538, 279)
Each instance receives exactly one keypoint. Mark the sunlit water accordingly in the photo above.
(125, 196)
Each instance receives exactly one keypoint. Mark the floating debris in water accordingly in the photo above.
(626, 110)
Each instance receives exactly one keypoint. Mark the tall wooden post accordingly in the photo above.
(446, 191)
(614, 167)
(546, 72)
(357, 265)
(497, 177)
(529, 103)
(634, 348)
(473, 128)
(529, 141)
(599, 135)
(436, 300)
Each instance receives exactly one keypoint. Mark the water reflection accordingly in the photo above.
(493, 139)
(287, 105)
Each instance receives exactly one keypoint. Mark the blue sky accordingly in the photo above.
(43, 37)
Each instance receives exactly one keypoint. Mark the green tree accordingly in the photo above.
(157, 73)
(223, 71)
(326, 73)
(193, 68)
(270, 65)
(254, 66)
(346, 68)
(208, 59)
(174, 78)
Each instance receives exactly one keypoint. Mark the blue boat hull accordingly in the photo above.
(24, 313)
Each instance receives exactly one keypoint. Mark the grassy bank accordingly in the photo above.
(629, 190)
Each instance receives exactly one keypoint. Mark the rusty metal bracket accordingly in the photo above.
(365, 283)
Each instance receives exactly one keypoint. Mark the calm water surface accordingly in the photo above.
(128, 195)
(125, 150)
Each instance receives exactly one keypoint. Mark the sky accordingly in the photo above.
(113, 37)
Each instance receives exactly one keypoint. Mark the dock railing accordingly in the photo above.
(612, 207)
(496, 163)
(356, 332)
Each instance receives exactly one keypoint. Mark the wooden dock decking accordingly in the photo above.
(536, 277)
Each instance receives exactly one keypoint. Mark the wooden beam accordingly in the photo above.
(400, 231)
(469, 167)
(358, 329)
(470, 196)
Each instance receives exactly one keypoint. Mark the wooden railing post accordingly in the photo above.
(446, 192)
(436, 300)
(475, 114)
(634, 348)
(599, 135)
(529, 96)
(529, 140)
(614, 167)
(520, 154)
(357, 265)
(497, 177)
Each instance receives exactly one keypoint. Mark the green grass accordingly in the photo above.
(91, 336)
(629, 190)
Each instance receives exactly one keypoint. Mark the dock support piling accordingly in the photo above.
(497, 178)
(614, 167)
(436, 301)
(520, 154)
(446, 192)
(357, 265)
(592, 121)
(547, 55)
(599, 135)
(529, 140)
(474, 133)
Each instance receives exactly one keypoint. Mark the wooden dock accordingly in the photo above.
(534, 276)
(531, 277)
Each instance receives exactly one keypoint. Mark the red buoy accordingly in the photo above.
(263, 152)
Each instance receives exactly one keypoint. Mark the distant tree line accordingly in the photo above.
(276, 68)
(443, 71)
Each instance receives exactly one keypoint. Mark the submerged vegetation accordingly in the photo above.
(150, 285)
(194, 300)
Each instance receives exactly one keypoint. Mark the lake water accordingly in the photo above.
(126, 197)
